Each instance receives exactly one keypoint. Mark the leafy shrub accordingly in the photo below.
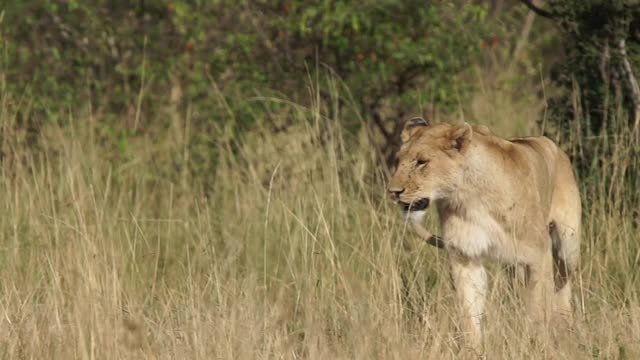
(600, 107)
(602, 46)
(124, 56)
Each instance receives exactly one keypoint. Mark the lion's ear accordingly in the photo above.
(461, 136)
(411, 126)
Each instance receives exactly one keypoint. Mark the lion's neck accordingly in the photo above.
(477, 186)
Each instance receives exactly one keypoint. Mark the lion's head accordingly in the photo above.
(430, 163)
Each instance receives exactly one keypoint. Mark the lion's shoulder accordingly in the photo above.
(541, 145)
(530, 153)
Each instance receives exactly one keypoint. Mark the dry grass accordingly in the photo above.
(294, 253)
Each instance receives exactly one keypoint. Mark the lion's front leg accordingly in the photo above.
(470, 283)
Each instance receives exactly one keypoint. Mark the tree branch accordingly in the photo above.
(633, 83)
(377, 119)
(399, 86)
(537, 10)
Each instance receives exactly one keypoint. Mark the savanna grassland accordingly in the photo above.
(293, 252)
(276, 240)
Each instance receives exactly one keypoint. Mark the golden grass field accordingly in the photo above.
(291, 251)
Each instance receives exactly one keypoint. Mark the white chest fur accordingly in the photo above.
(477, 235)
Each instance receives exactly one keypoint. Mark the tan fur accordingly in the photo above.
(515, 201)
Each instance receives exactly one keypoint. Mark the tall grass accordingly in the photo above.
(292, 251)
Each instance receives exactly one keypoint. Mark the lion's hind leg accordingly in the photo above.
(565, 260)
(564, 230)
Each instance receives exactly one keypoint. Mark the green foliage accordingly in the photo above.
(593, 69)
(390, 54)
(602, 46)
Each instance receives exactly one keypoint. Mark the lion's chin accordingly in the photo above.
(418, 205)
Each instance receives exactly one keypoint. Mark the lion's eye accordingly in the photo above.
(421, 162)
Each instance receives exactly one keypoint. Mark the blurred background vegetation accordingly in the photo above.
(216, 70)
(224, 60)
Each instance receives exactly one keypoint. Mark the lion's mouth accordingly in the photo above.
(417, 205)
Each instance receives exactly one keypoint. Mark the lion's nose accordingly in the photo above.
(396, 191)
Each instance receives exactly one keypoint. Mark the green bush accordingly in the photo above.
(600, 36)
(390, 55)
(599, 107)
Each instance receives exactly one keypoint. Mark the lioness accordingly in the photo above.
(514, 200)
